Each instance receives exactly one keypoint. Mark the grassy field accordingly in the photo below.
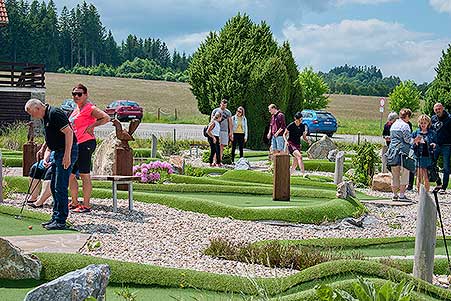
(354, 113)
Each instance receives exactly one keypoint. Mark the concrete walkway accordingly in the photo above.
(52, 243)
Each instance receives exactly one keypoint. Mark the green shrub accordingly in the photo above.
(273, 254)
(15, 135)
(364, 164)
(405, 95)
(226, 156)
(12, 161)
(142, 152)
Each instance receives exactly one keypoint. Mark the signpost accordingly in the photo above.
(381, 109)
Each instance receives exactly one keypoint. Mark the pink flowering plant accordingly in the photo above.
(153, 172)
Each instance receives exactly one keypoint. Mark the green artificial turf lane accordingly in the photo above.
(249, 200)
(12, 292)
(396, 249)
(9, 226)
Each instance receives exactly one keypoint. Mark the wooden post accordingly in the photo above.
(175, 136)
(425, 238)
(339, 163)
(158, 114)
(384, 159)
(123, 164)
(358, 138)
(153, 153)
(175, 114)
(28, 157)
(281, 185)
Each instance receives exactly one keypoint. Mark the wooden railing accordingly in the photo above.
(22, 75)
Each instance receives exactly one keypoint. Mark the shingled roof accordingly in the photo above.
(3, 14)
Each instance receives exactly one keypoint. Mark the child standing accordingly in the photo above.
(424, 149)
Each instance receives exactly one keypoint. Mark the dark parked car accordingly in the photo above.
(124, 110)
(319, 122)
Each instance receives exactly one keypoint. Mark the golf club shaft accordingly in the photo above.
(443, 230)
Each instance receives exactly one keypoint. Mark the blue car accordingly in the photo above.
(319, 122)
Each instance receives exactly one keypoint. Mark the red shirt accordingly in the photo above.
(277, 122)
(80, 120)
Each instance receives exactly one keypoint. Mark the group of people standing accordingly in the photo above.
(72, 142)
(224, 127)
(416, 152)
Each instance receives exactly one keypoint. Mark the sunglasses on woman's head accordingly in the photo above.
(79, 94)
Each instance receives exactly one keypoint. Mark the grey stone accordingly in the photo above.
(321, 148)
(339, 166)
(14, 264)
(345, 189)
(242, 164)
(103, 157)
(332, 155)
(74, 286)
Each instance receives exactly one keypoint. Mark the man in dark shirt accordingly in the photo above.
(441, 123)
(276, 128)
(292, 137)
(59, 138)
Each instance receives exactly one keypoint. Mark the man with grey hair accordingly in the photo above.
(392, 116)
(441, 123)
(59, 138)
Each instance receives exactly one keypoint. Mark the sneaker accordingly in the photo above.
(404, 199)
(442, 191)
(47, 223)
(82, 209)
(395, 198)
(56, 226)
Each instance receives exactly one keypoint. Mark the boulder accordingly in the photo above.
(14, 264)
(321, 148)
(242, 164)
(74, 286)
(178, 164)
(332, 155)
(345, 189)
(103, 157)
(382, 182)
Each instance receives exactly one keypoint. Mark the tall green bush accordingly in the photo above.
(313, 89)
(244, 63)
(440, 88)
(405, 95)
(365, 164)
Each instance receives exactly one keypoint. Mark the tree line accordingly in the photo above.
(363, 80)
(76, 37)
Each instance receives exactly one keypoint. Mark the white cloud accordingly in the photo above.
(443, 6)
(390, 46)
(188, 42)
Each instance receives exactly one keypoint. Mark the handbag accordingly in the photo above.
(409, 162)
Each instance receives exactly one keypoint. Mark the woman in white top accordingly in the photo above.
(213, 138)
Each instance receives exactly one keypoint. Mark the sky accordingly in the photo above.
(404, 38)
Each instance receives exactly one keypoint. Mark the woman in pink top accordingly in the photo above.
(84, 119)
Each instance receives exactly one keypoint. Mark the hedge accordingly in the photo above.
(12, 161)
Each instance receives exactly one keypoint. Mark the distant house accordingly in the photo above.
(3, 14)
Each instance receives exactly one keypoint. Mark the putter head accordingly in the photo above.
(18, 217)
(436, 189)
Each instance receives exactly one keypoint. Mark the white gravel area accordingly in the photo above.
(163, 236)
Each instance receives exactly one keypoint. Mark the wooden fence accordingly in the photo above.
(22, 75)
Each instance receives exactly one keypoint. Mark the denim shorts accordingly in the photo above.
(277, 143)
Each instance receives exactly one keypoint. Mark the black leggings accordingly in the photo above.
(214, 150)
(237, 138)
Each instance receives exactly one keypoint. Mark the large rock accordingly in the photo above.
(321, 148)
(74, 286)
(382, 182)
(242, 164)
(332, 155)
(345, 189)
(14, 264)
(103, 157)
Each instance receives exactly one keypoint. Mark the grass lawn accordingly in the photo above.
(241, 200)
(9, 226)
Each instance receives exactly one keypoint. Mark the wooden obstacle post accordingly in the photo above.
(28, 157)
(425, 239)
(153, 153)
(281, 185)
(339, 164)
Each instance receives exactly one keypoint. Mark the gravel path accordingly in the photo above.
(163, 236)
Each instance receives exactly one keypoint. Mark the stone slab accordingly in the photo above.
(52, 243)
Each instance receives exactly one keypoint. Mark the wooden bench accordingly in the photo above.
(119, 180)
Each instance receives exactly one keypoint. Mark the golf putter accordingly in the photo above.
(29, 193)
(435, 191)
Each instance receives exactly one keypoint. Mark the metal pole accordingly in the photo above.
(158, 114)
(358, 138)
(380, 124)
(175, 136)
